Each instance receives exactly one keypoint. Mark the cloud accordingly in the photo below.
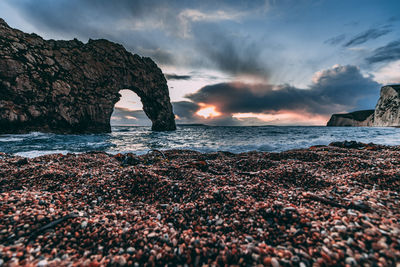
(334, 90)
(389, 52)
(89, 17)
(172, 76)
(389, 73)
(335, 40)
(139, 25)
(185, 113)
(185, 110)
(233, 54)
(165, 30)
(188, 16)
(370, 34)
(339, 89)
(159, 55)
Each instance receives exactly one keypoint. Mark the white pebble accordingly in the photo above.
(84, 224)
(42, 263)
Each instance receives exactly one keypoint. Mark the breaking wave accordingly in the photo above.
(140, 140)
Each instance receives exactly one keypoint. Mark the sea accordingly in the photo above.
(236, 139)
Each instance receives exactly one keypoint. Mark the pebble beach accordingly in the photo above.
(336, 205)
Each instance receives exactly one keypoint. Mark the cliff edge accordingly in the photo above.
(72, 87)
(386, 112)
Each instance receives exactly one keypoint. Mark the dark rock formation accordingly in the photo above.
(357, 118)
(386, 112)
(71, 87)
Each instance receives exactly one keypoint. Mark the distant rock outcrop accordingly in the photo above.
(357, 118)
(71, 87)
(386, 113)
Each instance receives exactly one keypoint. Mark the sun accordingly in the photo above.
(208, 111)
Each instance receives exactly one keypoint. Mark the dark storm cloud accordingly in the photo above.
(389, 52)
(370, 34)
(151, 27)
(124, 21)
(335, 40)
(232, 54)
(185, 112)
(333, 90)
(185, 109)
(91, 16)
(159, 55)
(172, 76)
(77, 16)
(339, 89)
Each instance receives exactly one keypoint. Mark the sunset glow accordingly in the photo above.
(284, 118)
(208, 111)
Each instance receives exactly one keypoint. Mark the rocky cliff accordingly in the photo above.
(71, 87)
(357, 118)
(386, 113)
(387, 110)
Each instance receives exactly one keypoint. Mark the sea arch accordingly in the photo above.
(72, 87)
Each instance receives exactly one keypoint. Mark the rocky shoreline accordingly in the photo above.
(336, 205)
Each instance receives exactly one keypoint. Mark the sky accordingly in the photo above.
(255, 62)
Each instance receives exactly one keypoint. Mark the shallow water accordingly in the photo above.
(201, 138)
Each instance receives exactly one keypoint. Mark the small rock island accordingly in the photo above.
(386, 112)
(72, 87)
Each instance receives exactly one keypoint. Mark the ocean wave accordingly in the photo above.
(140, 140)
(37, 153)
(10, 139)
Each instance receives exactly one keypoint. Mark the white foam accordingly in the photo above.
(37, 153)
(10, 139)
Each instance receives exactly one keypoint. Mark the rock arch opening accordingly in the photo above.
(128, 111)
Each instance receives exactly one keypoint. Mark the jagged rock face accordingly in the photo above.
(357, 118)
(72, 87)
(387, 110)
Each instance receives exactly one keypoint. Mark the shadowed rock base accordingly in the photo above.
(72, 87)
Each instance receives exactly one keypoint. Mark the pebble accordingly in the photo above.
(84, 224)
(249, 238)
(340, 228)
(42, 263)
(130, 250)
(151, 235)
(274, 262)
(351, 212)
(325, 206)
(351, 261)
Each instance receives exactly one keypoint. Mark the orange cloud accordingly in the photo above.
(284, 117)
(208, 111)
